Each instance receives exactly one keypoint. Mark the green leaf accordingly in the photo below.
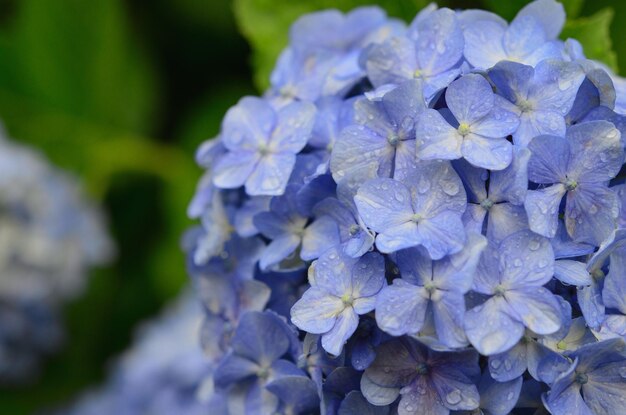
(507, 9)
(79, 56)
(572, 7)
(593, 33)
(265, 23)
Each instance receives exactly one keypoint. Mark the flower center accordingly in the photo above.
(421, 369)
(487, 204)
(354, 229)
(416, 217)
(499, 290)
(417, 73)
(464, 129)
(393, 139)
(581, 378)
(597, 274)
(430, 287)
(570, 184)
(347, 300)
(524, 105)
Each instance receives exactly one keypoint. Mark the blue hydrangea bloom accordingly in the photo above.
(593, 383)
(499, 205)
(422, 377)
(476, 130)
(513, 275)
(529, 39)
(262, 144)
(342, 288)
(424, 208)
(541, 96)
(430, 285)
(432, 52)
(578, 166)
(50, 236)
(453, 188)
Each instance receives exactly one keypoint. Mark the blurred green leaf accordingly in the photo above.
(572, 7)
(507, 9)
(265, 23)
(593, 33)
(79, 57)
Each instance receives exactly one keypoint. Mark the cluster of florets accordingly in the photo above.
(49, 236)
(436, 207)
(160, 374)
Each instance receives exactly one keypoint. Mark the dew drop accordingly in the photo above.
(454, 397)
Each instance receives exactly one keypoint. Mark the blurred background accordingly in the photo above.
(121, 93)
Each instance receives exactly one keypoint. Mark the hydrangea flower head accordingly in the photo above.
(417, 202)
(50, 235)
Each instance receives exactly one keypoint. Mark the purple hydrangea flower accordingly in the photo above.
(342, 288)
(593, 383)
(513, 275)
(529, 39)
(431, 52)
(475, 128)
(427, 285)
(541, 97)
(424, 208)
(422, 377)
(262, 144)
(578, 166)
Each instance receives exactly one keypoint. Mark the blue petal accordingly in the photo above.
(555, 87)
(356, 404)
(316, 312)
(511, 183)
(537, 308)
(295, 122)
(591, 304)
(248, 124)
(596, 151)
(499, 398)
(439, 42)
(510, 365)
(456, 392)
(358, 148)
(512, 79)
(441, 235)
(549, 13)
(526, 260)
(536, 123)
(550, 159)
(376, 394)
(318, 237)
(420, 397)
(523, 37)
(368, 275)
(483, 44)
(490, 327)
(261, 337)
(488, 153)
(505, 219)
(448, 313)
(470, 98)
(384, 204)
(271, 175)
(233, 369)
(614, 291)
(401, 308)
(391, 62)
(233, 168)
(299, 393)
(542, 208)
(572, 272)
(455, 272)
(435, 138)
(278, 250)
(591, 213)
(501, 121)
(346, 324)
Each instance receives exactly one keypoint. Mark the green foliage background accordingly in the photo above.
(121, 92)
